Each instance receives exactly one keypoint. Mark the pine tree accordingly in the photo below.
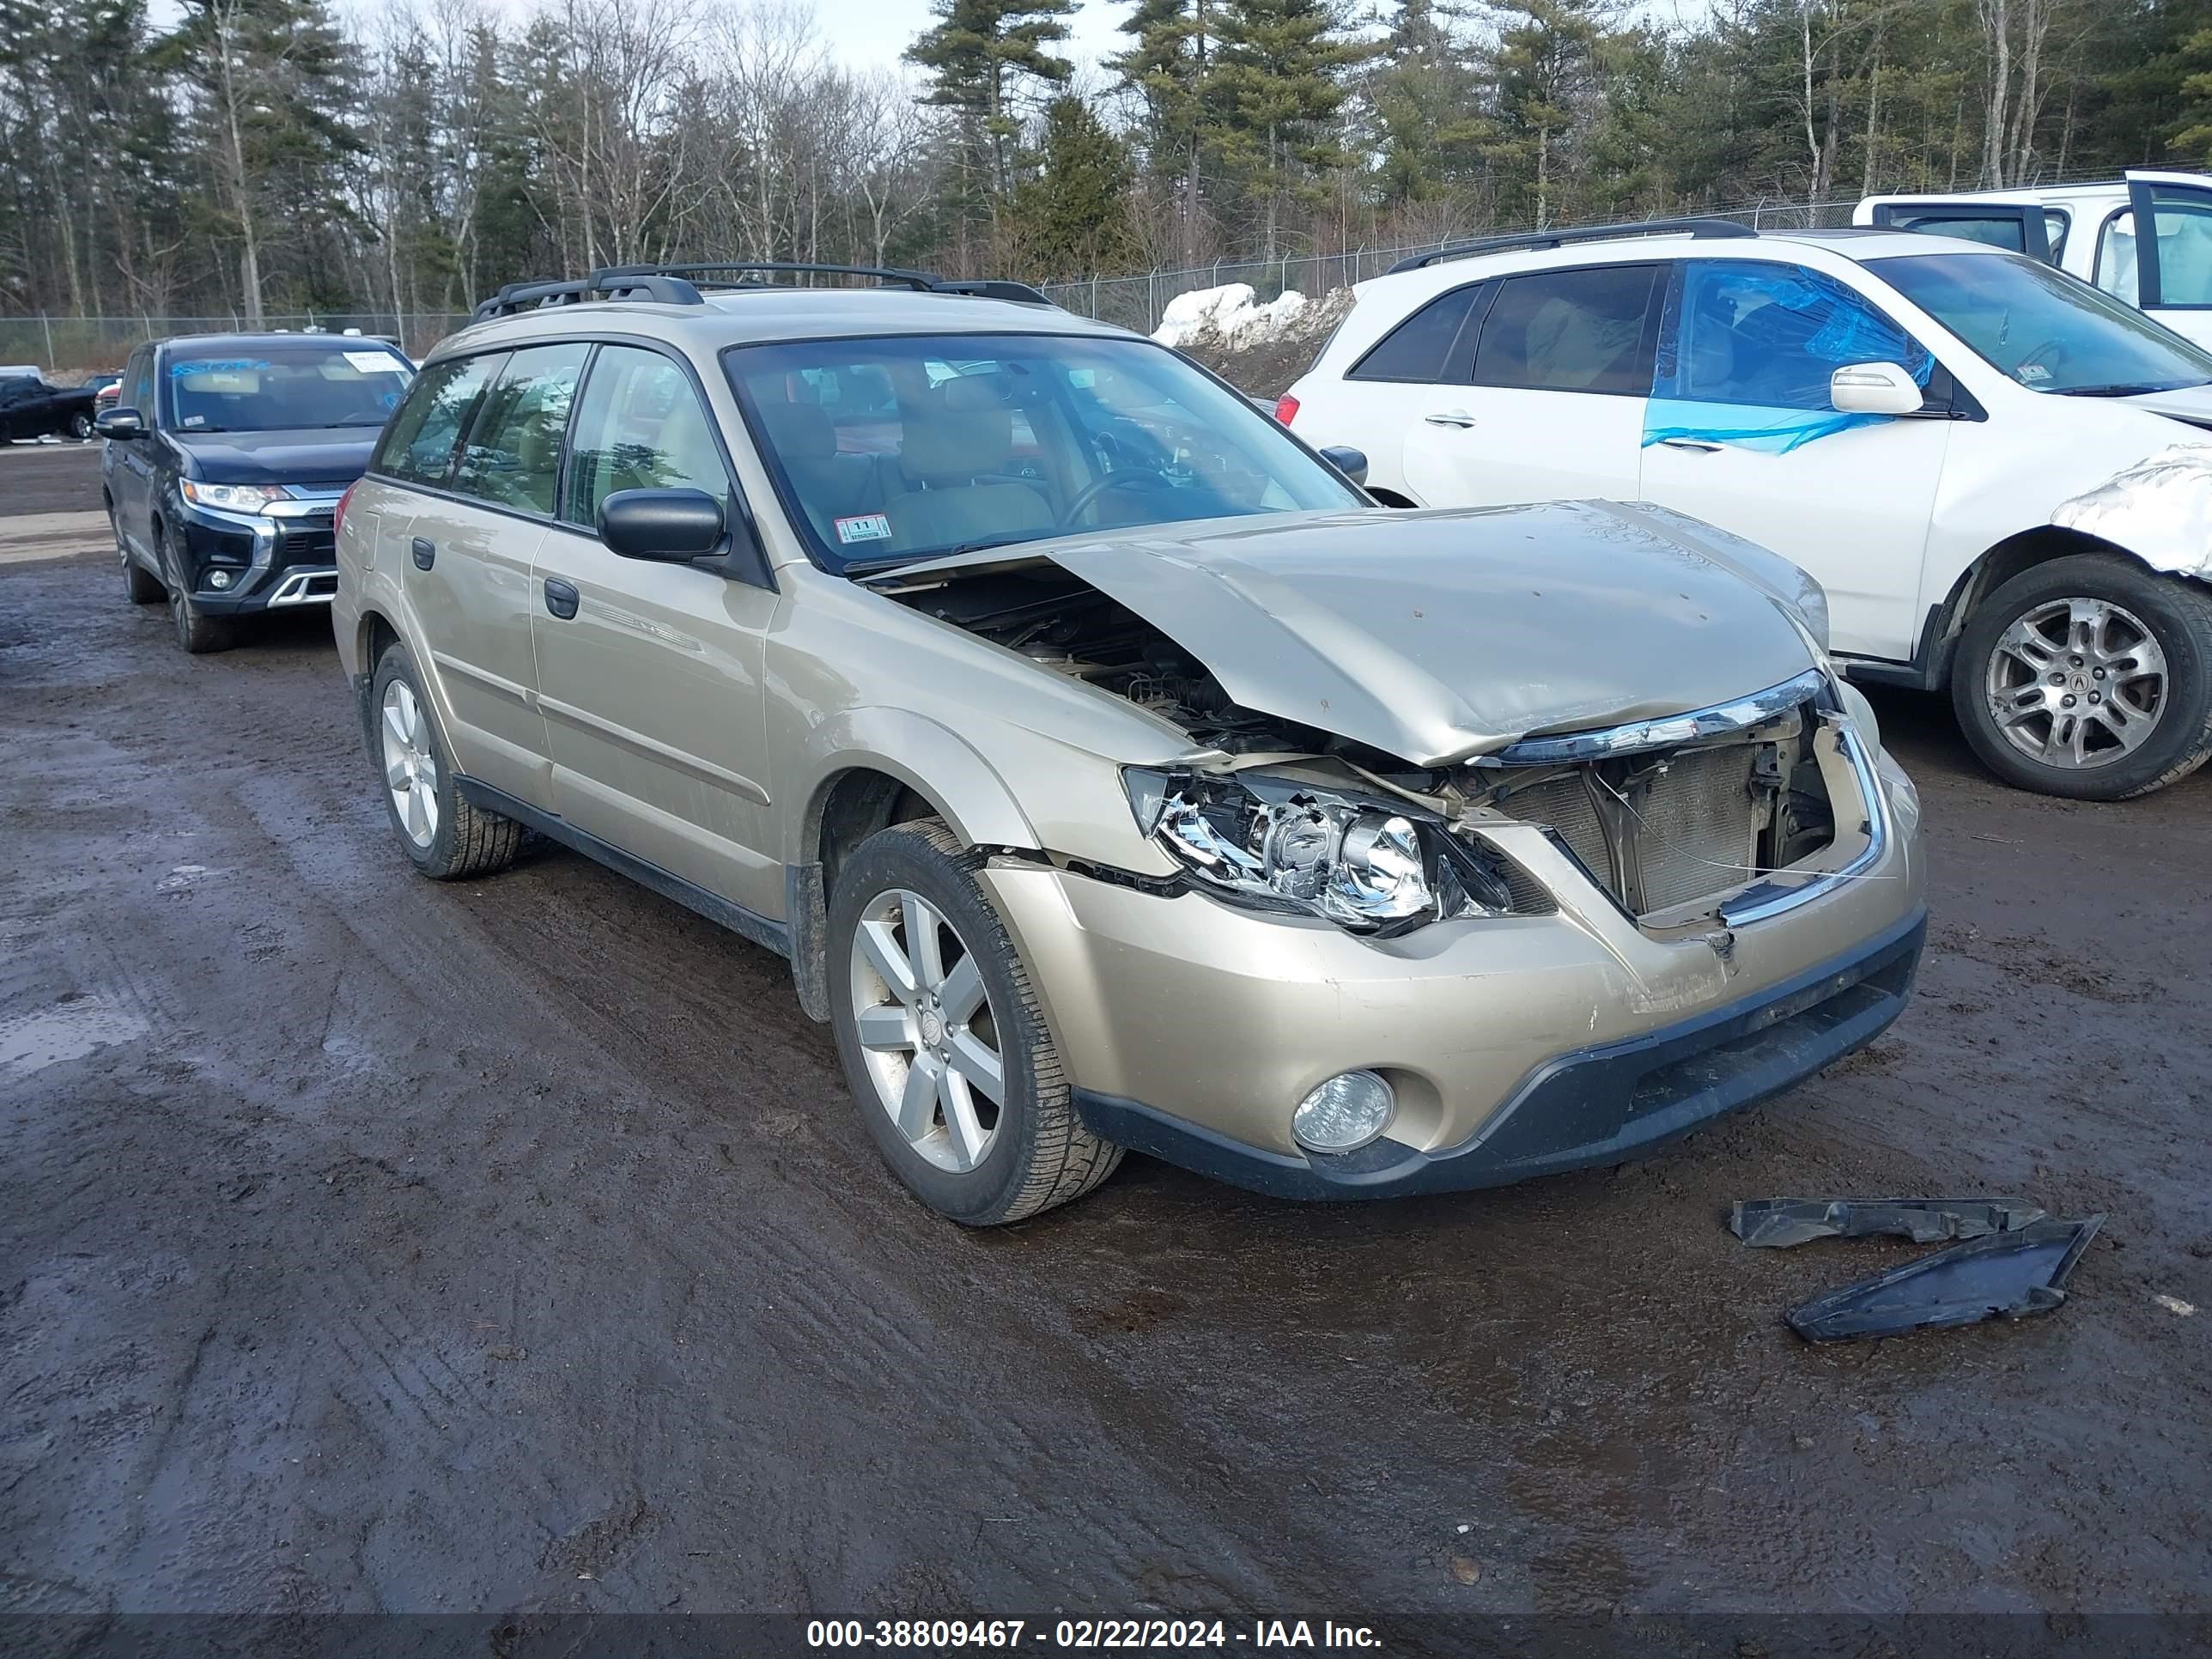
(980, 55)
(1276, 89)
(1426, 101)
(1171, 67)
(1546, 68)
(1072, 217)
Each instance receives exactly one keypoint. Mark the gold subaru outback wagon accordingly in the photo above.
(1112, 772)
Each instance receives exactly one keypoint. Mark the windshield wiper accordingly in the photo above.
(2125, 390)
(877, 567)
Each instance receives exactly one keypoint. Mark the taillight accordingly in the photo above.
(1286, 409)
(337, 513)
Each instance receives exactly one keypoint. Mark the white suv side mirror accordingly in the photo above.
(1873, 389)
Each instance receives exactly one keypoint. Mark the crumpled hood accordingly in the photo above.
(312, 456)
(1437, 635)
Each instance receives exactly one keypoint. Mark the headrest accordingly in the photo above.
(800, 433)
(956, 431)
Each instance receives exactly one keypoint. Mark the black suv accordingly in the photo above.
(226, 458)
(30, 408)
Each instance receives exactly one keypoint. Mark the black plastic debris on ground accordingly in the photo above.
(1779, 1223)
(2011, 1261)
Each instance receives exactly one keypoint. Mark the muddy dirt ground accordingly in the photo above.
(371, 1244)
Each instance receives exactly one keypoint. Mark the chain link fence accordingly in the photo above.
(74, 346)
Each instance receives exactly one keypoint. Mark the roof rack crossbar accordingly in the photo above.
(680, 285)
(1542, 239)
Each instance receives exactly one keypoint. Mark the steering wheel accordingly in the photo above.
(1134, 478)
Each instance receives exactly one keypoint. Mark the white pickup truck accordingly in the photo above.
(2091, 231)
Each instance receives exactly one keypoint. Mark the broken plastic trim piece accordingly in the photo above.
(1779, 1223)
(2009, 1274)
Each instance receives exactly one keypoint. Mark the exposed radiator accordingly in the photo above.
(1694, 830)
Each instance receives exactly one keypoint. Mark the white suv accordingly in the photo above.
(2089, 229)
(2000, 474)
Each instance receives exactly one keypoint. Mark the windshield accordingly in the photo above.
(2048, 330)
(909, 447)
(265, 387)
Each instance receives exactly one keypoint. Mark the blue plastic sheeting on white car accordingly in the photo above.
(1746, 351)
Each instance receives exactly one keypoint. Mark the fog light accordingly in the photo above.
(218, 580)
(1344, 1113)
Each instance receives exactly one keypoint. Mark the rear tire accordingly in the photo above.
(198, 633)
(2088, 677)
(443, 835)
(908, 904)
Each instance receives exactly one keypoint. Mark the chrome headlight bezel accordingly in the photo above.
(1370, 865)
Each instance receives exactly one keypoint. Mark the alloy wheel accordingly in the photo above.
(410, 769)
(926, 1035)
(2076, 684)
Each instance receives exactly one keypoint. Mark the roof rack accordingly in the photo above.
(1536, 239)
(681, 284)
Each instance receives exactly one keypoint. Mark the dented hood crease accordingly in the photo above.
(1436, 636)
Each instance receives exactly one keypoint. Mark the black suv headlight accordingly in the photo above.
(1370, 865)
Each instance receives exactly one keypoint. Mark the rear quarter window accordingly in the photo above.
(1420, 348)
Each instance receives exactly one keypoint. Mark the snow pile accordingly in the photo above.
(1229, 314)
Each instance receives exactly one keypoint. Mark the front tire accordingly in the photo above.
(198, 633)
(2088, 677)
(945, 1050)
(80, 428)
(447, 838)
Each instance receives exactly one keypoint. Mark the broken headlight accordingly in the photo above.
(1276, 844)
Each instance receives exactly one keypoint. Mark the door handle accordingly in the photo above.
(425, 552)
(1458, 417)
(1697, 444)
(560, 597)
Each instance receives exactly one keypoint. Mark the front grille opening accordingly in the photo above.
(1672, 828)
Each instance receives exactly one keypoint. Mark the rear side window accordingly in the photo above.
(1579, 330)
(417, 446)
(513, 455)
(1418, 348)
(638, 426)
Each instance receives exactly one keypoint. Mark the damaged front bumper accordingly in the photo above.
(1515, 1046)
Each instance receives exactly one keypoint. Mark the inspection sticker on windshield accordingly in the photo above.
(376, 363)
(865, 527)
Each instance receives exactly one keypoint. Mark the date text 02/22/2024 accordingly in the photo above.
(1069, 1634)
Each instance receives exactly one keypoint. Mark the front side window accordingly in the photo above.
(638, 426)
(512, 456)
(1580, 329)
(268, 386)
(2050, 332)
(1769, 336)
(1418, 349)
(417, 448)
(988, 439)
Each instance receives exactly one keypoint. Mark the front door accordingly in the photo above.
(649, 674)
(1546, 401)
(128, 463)
(1742, 434)
(2169, 273)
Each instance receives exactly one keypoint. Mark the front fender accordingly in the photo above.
(932, 760)
(2160, 510)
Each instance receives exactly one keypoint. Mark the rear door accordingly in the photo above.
(1544, 398)
(1378, 401)
(2168, 273)
(649, 674)
(1742, 434)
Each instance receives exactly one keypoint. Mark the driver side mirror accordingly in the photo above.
(670, 526)
(119, 423)
(1873, 389)
(1352, 462)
